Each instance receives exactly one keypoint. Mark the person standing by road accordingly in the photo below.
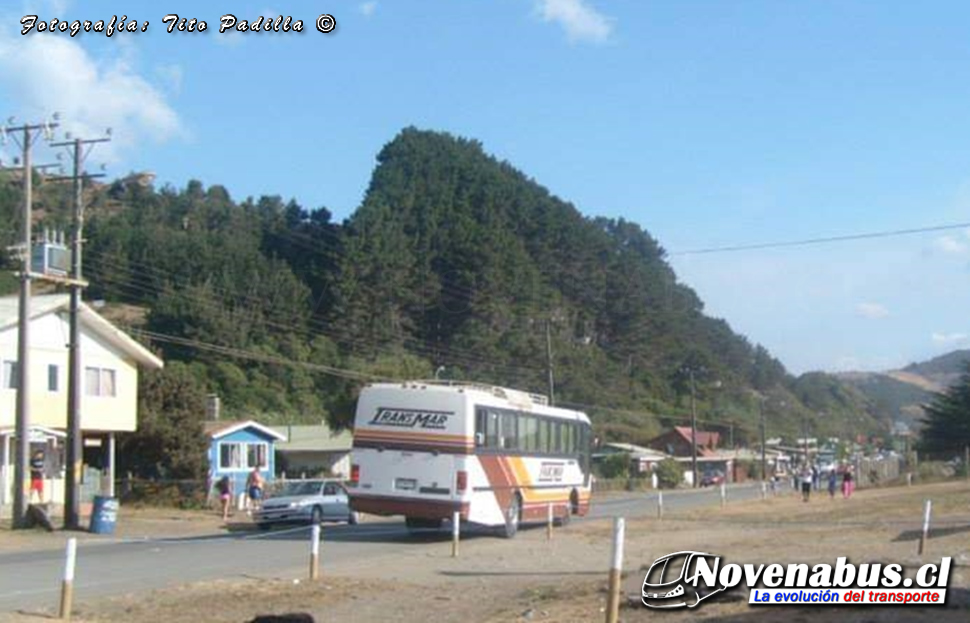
(254, 487)
(833, 482)
(806, 479)
(37, 464)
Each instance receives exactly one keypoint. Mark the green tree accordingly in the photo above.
(946, 430)
(169, 442)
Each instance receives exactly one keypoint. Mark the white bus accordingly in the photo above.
(500, 457)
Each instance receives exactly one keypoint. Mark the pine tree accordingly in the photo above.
(947, 422)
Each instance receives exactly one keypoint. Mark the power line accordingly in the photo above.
(822, 240)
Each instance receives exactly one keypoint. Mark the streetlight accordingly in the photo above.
(438, 372)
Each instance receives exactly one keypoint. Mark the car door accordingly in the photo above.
(334, 501)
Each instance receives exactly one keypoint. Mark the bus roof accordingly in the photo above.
(513, 396)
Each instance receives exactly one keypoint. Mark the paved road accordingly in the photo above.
(30, 580)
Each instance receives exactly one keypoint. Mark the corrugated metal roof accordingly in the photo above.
(317, 437)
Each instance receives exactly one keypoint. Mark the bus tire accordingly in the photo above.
(513, 515)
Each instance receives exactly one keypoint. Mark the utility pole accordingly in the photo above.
(693, 430)
(552, 386)
(22, 424)
(764, 462)
(72, 515)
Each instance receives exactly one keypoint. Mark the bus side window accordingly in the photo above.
(481, 418)
(492, 429)
(567, 438)
(509, 432)
(528, 433)
(544, 431)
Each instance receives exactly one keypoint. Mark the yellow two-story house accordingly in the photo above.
(109, 363)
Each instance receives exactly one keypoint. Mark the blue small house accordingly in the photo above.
(235, 448)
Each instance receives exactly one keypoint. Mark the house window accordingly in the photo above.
(236, 455)
(11, 375)
(231, 456)
(52, 378)
(99, 381)
(256, 455)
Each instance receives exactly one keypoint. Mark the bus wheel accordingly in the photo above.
(512, 516)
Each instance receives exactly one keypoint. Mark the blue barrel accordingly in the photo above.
(104, 515)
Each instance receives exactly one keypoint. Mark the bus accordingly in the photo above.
(499, 457)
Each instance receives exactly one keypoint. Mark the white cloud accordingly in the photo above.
(368, 8)
(871, 310)
(172, 75)
(952, 245)
(50, 74)
(949, 338)
(580, 20)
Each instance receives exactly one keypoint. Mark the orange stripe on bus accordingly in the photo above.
(415, 435)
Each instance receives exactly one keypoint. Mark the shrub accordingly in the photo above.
(669, 474)
(615, 466)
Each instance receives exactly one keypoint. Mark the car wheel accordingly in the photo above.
(316, 516)
(512, 516)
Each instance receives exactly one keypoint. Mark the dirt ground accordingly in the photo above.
(133, 523)
(564, 580)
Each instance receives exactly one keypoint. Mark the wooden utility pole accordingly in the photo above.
(72, 502)
(552, 385)
(28, 134)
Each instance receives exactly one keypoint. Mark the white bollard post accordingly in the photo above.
(723, 495)
(909, 479)
(660, 505)
(764, 490)
(549, 523)
(455, 533)
(926, 526)
(616, 569)
(315, 552)
(67, 586)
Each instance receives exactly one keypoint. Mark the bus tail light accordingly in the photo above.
(355, 473)
(462, 482)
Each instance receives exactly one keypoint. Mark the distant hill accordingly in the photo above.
(455, 263)
(898, 394)
(942, 370)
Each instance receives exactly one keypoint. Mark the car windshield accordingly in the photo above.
(299, 488)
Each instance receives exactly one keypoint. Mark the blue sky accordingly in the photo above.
(710, 123)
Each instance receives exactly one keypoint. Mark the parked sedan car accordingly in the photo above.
(306, 501)
(711, 479)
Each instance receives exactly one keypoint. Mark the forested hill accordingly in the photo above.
(455, 263)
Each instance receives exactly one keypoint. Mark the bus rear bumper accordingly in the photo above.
(409, 507)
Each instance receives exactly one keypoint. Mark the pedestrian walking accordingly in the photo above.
(224, 487)
(815, 478)
(848, 483)
(833, 483)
